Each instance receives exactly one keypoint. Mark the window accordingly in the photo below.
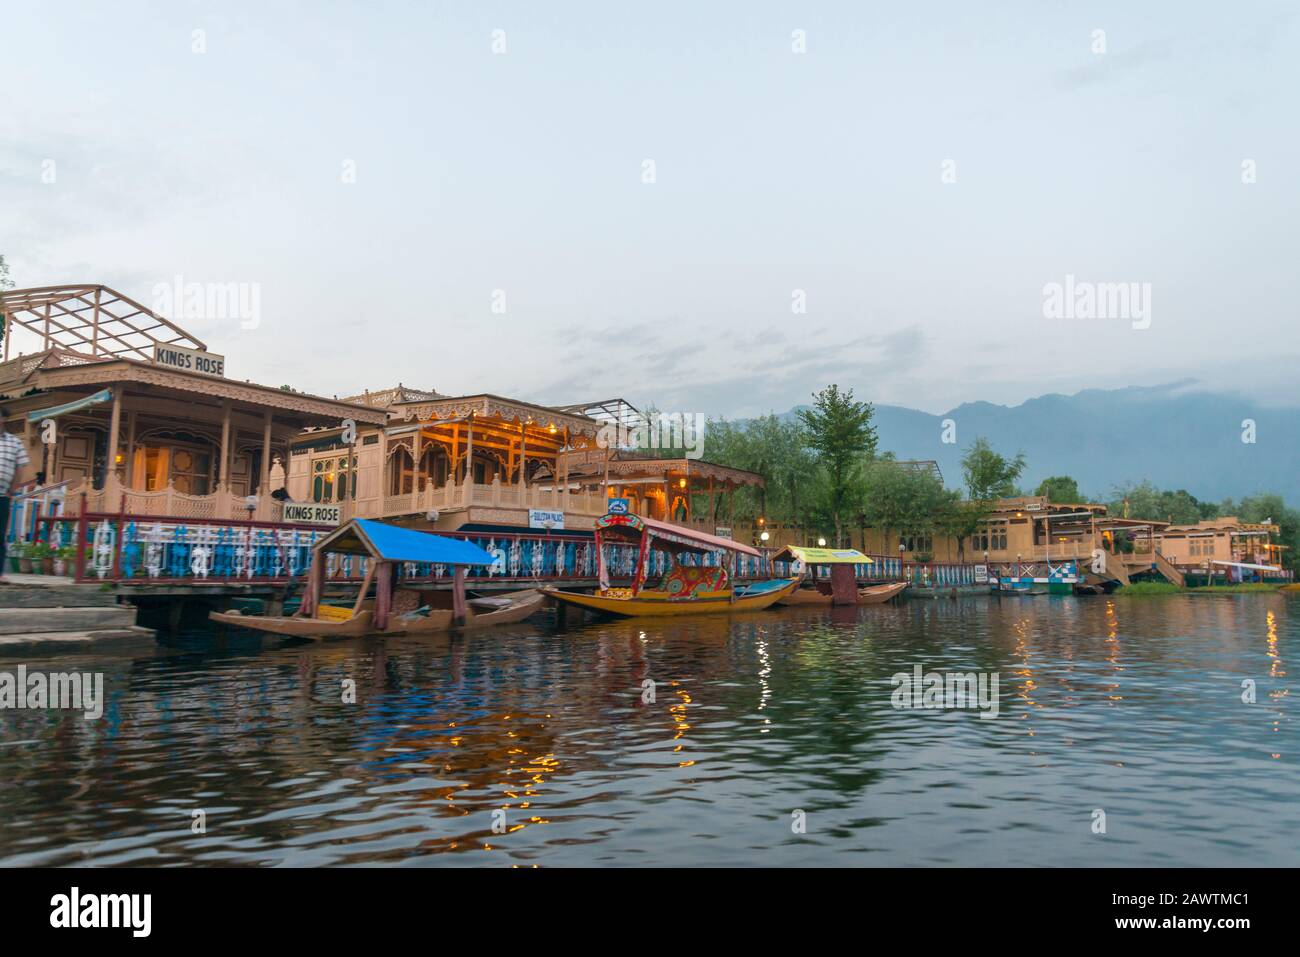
(990, 538)
(917, 543)
(322, 486)
(401, 472)
(333, 479)
(186, 468)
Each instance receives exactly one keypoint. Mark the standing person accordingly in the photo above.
(14, 466)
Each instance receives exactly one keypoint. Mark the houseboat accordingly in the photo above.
(124, 412)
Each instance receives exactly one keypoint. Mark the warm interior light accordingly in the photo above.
(681, 483)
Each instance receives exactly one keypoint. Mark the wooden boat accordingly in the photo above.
(869, 595)
(506, 609)
(694, 588)
(397, 608)
(841, 588)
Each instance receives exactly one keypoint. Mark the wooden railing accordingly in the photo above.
(493, 495)
(143, 549)
(168, 502)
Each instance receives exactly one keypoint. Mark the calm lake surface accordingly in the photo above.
(1131, 706)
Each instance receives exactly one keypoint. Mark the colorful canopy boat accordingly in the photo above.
(842, 586)
(686, 588)
(397, 608)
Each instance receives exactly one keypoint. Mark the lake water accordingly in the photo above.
(1128, 706)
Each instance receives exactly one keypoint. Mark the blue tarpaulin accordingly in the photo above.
(103, 395)
(396, 544)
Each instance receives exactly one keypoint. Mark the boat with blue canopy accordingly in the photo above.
(398, 606)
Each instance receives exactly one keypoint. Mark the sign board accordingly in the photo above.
(312, 513)
(540, 517)
(722, 531)
(188, 360)
(619, 506)
(981, 574)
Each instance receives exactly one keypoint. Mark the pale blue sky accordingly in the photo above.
(775, 171)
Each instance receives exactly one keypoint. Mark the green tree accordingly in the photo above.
(1060, 489)
(776, 450)
(841, 437)
(1269, 507)
(897, 499)
(1144, 500)
(990, 475)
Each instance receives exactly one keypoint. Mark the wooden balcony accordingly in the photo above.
(115, 498)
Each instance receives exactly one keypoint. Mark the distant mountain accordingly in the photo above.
(1169, 435)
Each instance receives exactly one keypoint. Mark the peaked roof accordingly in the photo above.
(822, 556)
(365, 536)
(93, 320)
(678, 534)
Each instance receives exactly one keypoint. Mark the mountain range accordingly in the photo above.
(1171, 435)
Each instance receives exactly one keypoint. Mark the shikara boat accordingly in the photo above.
(841, 588)
(693, 588)
(398, 607)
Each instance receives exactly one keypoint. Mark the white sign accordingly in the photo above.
(981, 574)
(188, 360)
(541, 518)
(313, 514)
(722, 531)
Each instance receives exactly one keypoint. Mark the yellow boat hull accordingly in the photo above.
(638, 607)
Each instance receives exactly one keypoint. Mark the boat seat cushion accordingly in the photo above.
(688, 581)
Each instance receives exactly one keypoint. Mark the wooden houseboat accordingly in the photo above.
(123, 409)
(485, 462)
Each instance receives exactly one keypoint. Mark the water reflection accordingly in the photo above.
(524, 746)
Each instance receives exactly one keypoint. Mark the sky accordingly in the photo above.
(714, 208)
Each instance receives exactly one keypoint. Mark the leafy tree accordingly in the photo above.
(1271, 507)
(1060, 489)
(909, 502)
(962, 519)
(841, 437)
(776, 450)
(988, 474)
(1144, 500)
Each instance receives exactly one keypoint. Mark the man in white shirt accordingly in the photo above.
(15, 467)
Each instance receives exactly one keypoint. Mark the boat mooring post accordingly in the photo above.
(459, 609)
